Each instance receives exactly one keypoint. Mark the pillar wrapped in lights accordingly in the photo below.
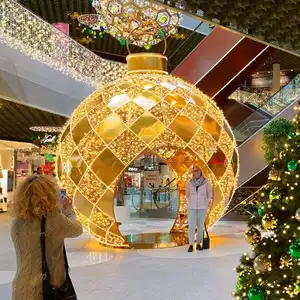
(148, 111)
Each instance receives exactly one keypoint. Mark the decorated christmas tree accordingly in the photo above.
(272, 268)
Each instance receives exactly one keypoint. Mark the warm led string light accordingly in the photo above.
(149, 21)
(143, 112)
(24, 31)
(46, 129)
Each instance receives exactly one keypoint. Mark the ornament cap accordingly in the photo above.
(146, 63)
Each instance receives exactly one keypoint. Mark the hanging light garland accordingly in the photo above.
(46, 129)
(91, 24)
(22, 30)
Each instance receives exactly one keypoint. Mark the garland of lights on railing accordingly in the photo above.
(24, 31)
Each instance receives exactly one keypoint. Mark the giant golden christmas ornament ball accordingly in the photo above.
(148, 111)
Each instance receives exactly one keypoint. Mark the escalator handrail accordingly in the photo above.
(170, 192)
(275, 94)
(166, 185)
(270, 99)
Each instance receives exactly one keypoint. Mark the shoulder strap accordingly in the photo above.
(45, 269)
(205, 229)
(67, 268)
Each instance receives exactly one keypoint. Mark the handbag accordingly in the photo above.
(206, 239)
(66, 291)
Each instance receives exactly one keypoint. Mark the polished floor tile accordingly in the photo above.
(156, 274)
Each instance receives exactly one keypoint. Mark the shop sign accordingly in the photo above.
(133, 169)
(151, 179)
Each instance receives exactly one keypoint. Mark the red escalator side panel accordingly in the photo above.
(243, 76)
(230, 66)
(207, 54)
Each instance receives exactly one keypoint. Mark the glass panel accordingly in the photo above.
(277, 103)
(147, 197)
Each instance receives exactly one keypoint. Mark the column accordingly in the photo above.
(276, 78)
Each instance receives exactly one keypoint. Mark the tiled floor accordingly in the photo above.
(165, 274)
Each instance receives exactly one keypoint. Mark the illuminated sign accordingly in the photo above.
(132, 169)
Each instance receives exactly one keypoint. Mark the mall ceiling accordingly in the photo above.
(273, 21)
(16, 119)
(107, 47)
(257, 12)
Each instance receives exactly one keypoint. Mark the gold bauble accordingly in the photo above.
(252, 235)
(273, 175)
(269, 222)
(261, 263)
(297, 215)
(285, 261)
(146, 111)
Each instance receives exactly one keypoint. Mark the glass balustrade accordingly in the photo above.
(276, 104)
(151, 199)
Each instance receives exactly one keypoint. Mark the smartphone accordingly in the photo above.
(63, 193)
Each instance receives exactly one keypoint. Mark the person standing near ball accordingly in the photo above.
(199, 196)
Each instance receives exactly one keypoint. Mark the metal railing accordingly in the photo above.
(152, 199)
(247, 206)
(250, 96)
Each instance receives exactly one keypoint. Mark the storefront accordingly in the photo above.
(132, 178)
(15, 162)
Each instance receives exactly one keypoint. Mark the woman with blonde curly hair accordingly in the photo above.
(36, 199)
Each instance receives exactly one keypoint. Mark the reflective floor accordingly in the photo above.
(153, 274)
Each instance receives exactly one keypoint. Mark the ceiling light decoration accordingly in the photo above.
(149, 21)
(147, 111)
(22, 30)
(46, 129)
(92, 24)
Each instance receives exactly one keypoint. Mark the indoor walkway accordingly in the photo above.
(166, 274)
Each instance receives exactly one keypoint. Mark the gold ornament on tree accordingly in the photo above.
(262, 264)
(147, 111)
(273, 175)
(274, 194)
(269, 222)
(285, 261)
(252, 236)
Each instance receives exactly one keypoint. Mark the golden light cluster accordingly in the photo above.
(46, 128)
(148, 111)
(141, 22)
(22, 30)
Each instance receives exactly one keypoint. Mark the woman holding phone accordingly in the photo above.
(35, 198)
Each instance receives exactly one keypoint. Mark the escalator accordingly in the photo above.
(49, 71)
(159, 202)
(249, 133)
(65, 94)
(218, 70)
